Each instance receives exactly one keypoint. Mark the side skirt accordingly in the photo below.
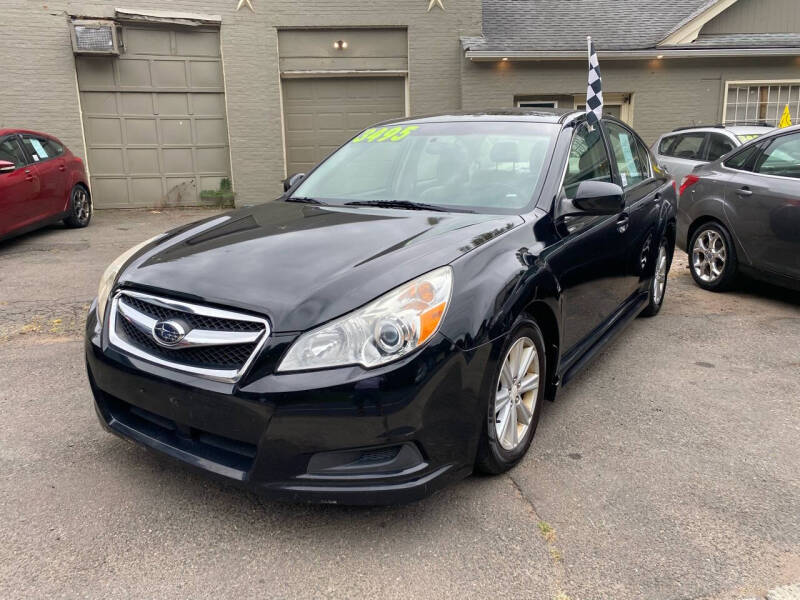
(585, 353)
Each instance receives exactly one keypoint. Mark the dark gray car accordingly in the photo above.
(742, 213)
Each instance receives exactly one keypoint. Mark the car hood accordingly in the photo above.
(302, 265)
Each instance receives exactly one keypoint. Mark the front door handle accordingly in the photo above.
(744, 191)
(28, 175)
(623, 222)
(62, 168)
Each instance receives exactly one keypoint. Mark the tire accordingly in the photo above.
(80, 207)
(498, 451)
(713, 268)
(658, 283)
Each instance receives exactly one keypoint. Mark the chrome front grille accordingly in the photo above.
(214, 343)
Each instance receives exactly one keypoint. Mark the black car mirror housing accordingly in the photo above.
(593, 198)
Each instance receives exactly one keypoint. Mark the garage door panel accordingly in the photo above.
(211, 131)
(176, 131)
(206, 73)
(212, 160)
(144, 189)
(94, 71)
(99, 102)
(197, 43)
(172, 104)
(137, 104)
(321, 114)
(143, 161)
(168, 73)
(104, 130)
(208, 104)
(113, 191)
(134, 73)
(141, 131)
(181, 190)
(178, 160)
(107, 161)
(147, 41)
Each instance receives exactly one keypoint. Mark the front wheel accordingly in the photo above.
(515, 402)
(80, 207)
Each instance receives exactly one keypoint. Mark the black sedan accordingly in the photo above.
(397, 317)
(741, 213)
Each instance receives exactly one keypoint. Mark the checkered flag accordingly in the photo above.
(594, 92)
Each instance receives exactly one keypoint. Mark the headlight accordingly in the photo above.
(382, 331)
(110, 276)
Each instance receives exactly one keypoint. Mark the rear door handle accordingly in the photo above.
(623, 222)
(62, 168)
(745, 191)
(28, 175)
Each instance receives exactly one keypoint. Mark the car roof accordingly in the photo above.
(531, 115)
(734, 129)
(29, 131)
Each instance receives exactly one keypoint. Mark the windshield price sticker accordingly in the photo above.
(385, 134)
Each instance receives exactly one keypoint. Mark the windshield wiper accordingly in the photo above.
(304, 200)
(404, 204)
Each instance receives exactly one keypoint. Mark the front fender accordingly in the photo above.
(496, 284)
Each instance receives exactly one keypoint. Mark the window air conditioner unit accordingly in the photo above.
(94, 37)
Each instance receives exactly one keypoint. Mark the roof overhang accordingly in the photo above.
(687, 32)
(555, 55)
(166, 17)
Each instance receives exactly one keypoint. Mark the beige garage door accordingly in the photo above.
(321, 114)
(154, 119)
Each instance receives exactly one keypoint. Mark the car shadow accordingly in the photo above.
(755, 288)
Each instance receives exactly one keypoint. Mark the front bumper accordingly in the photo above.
(387, 435)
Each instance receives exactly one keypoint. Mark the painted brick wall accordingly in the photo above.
(39, 89)
(667, 93)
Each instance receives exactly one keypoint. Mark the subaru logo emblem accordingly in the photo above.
(168, 333)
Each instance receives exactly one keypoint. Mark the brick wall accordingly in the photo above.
(666, 93)
(39, 88)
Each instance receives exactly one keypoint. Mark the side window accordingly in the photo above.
(718, 144)
(632, 170)
(689, 146)
(743, 160)
(644, 158)
(782, 157)
(11, 151)
(41, 148)
(588, 160)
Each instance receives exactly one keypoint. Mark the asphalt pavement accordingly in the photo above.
(669, 469)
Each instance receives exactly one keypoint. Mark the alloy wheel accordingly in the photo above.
(81, 205)
(661, 275)
(709, 255)
(517, 393)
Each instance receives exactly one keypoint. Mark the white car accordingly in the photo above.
(681, 150)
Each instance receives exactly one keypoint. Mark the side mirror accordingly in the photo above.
(7, 167)
(292, 181)
(593, 198)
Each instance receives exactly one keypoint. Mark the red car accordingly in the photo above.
(41, 182)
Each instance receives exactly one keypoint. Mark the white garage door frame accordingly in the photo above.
(321, 74)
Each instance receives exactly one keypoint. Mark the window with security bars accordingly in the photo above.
(761, 103)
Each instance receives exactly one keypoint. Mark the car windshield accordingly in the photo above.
(489, 167)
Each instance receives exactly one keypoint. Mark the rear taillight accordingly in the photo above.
(688, 182)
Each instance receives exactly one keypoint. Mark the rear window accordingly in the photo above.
(746, 137)
(664, 144)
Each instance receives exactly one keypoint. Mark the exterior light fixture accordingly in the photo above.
(660, 56)
(340, 45)
(504, 59)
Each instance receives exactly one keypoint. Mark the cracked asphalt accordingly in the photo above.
(669, 469)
